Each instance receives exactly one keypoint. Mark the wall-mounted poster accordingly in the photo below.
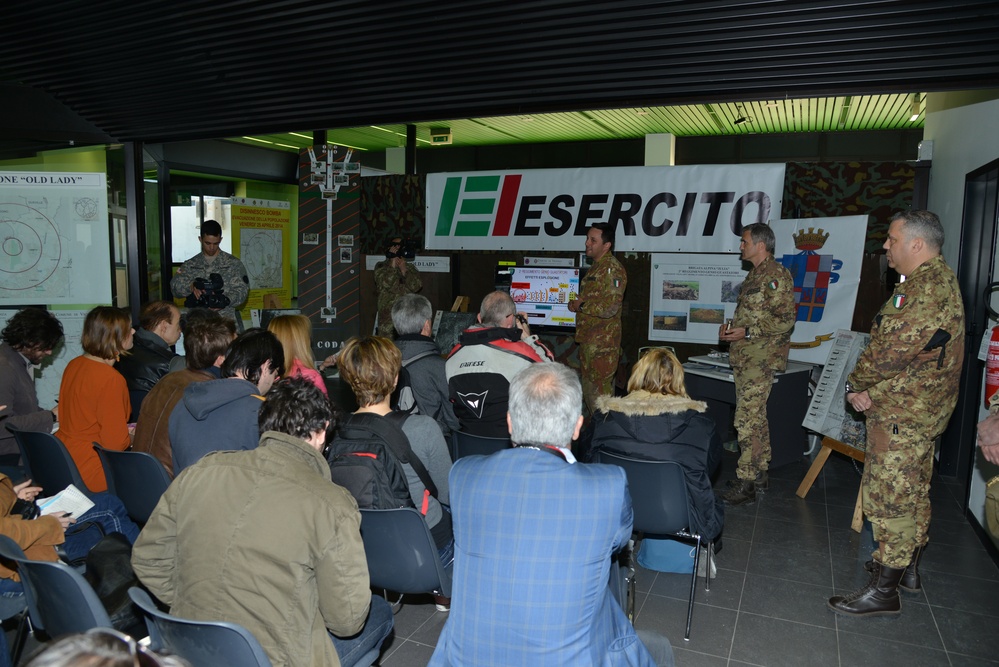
(262, 233)
(692, 295)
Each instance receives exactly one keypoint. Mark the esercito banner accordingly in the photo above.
(654, 209)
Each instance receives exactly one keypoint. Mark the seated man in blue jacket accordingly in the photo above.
(534, 532)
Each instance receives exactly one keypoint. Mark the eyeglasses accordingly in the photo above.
(141, 656)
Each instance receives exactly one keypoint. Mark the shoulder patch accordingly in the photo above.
(773, 284)
(898, 300)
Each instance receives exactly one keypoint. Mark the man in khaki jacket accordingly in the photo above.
(264, 539)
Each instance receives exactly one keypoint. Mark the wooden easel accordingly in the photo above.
(828, 447)
(460, 305)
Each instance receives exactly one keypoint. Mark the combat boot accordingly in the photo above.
(911, 583)
(743, 492)
(762, 481)
(878, 598)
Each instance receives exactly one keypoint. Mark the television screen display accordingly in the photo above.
(543, 294)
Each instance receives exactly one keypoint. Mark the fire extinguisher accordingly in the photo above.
(992, 366)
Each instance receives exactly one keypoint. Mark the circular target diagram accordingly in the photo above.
(30, 249)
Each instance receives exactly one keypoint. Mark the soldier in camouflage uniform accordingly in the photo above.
(906, 383)
(759, 339)
(212, 259)
(393, 278)
(598, 315)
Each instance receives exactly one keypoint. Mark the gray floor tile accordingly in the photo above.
(738, 526)
(778, 643)
(792, 535)
(710, 630)
(791, 601)
(734, 555)
(793, 509)
(726, 588)
(409, 654)
(953, 533)
(686, 658)
(807, 567)
(969, 594)
(969, 634)
(857, 650)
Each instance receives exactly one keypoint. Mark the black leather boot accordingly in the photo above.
(878, 598)
(911, 583)
(744, 492)
(762, 481)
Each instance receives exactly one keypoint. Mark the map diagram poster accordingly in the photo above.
(54, 238)
(692, 294)
(261, 233)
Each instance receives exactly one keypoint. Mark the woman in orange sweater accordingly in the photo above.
(93, 397)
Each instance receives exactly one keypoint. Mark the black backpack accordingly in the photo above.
(403, 397)
(366, 458)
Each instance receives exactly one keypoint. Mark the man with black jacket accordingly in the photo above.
(149, 358)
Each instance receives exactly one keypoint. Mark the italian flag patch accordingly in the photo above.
(772, 284)
(898, 301)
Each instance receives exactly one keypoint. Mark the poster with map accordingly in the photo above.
(54, 238)
(262, 235)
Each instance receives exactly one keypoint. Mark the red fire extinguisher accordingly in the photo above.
(992, 366)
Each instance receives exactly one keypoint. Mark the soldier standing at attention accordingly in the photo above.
(906, 384)
(393, 278)
(759, 339)
(598, 315)
(212, 259)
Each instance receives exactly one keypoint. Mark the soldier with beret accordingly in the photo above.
(906, 384)
(759, 339)
(598, 315)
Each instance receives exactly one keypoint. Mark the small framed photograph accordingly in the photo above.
(346, 255)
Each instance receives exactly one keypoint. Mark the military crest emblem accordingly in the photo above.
(812, 274)
(898, 301)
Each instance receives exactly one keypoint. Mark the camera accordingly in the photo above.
(407, 250)
(212, 293)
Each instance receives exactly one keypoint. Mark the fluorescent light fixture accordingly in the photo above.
(263, 141)
(915, 109)
(299, 134)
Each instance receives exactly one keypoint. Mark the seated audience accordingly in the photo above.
(262, 538)
(659, 421)
(295, 334)
(370, 365)
(411, 317)
(222, 414)
(149, 358)
(534, 535)
(29, 337)
(481, 365)
(93, 397)
(207, 341)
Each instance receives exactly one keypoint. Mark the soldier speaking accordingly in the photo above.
(202, 275)
(759, 338)
(906, 384)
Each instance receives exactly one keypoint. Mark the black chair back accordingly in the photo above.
(658, 493)
(137, 478)
(202, 643)
(48, 461)
(401, 553)
(466, 444)
(60, 601)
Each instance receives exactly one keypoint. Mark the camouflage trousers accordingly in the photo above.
(385, 325)
(597, 368)
(896, 488)
(753, 383)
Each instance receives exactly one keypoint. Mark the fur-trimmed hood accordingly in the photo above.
(645, 404)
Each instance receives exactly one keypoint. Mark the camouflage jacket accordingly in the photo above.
(908, 373)
(766, 309)
(598, 320)
(237, 283)
(390, 285)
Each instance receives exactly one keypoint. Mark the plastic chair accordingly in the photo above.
(48, 461)
(659, 498)
(202, 643)
(466, 444)
(60, 601)
(137, 478)
(401, 553)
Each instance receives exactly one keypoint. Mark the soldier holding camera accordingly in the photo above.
(393, 278)
(213, 278)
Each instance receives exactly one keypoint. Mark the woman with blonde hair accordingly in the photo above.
(659, 421)
(93, 397)
(295, 334)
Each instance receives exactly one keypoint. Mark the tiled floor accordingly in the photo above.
(783, 557)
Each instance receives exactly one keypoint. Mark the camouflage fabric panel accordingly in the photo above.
(602, 293)
(392, 206)
(902, 377)
(753, 384)
(896, 487)
(830, 189)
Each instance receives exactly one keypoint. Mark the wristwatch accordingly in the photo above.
(748, 337)
(848, 388)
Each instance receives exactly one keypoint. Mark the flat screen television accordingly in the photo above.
(543, 294)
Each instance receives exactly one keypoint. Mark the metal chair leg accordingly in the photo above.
(693, 587)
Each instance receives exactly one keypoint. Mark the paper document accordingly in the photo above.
(70, 499)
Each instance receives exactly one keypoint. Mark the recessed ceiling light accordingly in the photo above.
(642, 113)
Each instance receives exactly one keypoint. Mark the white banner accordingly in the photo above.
(654, 209)
(690, 295)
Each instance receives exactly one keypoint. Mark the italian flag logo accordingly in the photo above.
(898, 300)
(773, 284)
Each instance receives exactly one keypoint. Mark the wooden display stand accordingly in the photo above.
(460, 305)
(828, 446)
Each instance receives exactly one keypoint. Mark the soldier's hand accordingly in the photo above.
(196, 292)
(988, 438)
(574, 306)
(860, 400)
(730, 335)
